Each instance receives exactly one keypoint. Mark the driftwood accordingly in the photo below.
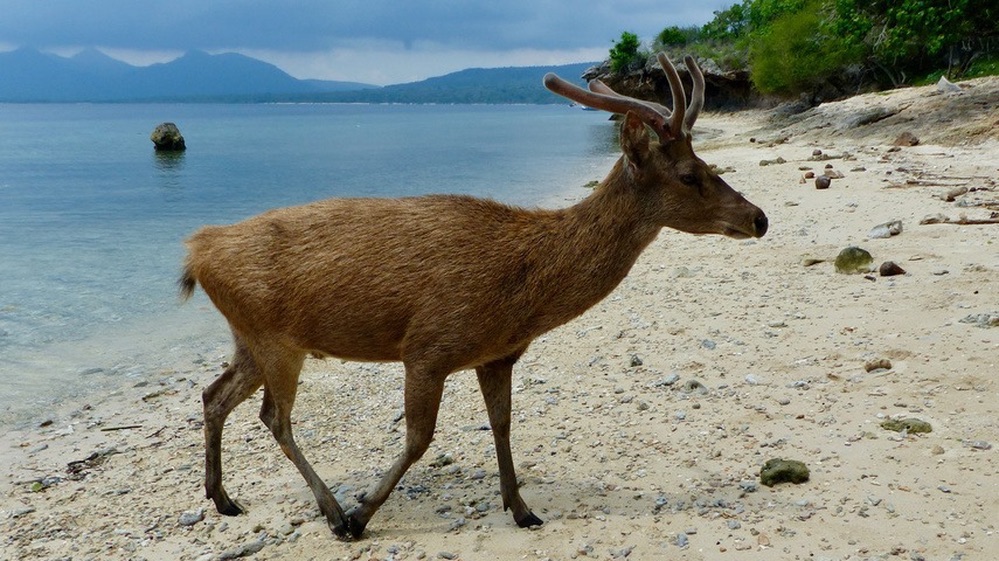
(961, 221)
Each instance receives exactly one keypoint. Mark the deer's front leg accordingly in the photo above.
(495, 382)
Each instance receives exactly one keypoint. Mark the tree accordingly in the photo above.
(624, 52)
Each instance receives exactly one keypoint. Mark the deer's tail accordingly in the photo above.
(187, 282)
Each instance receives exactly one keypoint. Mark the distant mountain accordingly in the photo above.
(27, 75)
(474, 85)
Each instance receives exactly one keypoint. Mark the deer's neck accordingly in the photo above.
(592, 246)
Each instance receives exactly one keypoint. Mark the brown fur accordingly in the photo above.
(441, 283)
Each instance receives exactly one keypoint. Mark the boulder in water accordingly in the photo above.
(166, 137)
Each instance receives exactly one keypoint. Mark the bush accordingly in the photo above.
(797, 52)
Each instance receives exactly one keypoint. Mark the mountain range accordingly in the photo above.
(30, 76)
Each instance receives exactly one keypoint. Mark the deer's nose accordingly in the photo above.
(761, 223)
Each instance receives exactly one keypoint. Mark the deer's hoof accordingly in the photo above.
(229, 507)
(529, 520)
(348, 529)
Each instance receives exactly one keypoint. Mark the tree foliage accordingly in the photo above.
(625, 51)
(792, 46)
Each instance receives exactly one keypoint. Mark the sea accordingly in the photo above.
(92, 219)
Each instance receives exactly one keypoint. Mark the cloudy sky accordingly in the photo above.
(373, 41)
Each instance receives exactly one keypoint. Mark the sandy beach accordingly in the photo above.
(641, 427)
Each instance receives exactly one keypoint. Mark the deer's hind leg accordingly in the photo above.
(281, 369)
(237, 383)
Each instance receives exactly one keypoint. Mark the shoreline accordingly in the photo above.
(621, 458)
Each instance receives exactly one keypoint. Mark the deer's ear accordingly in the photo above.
(634, 139)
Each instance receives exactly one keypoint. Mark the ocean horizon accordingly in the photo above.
(92, 219)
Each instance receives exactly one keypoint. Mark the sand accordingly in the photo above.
(641, 427)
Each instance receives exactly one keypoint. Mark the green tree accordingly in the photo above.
(625, 52)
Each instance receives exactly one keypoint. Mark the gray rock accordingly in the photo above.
(982, 320)
(692, 386)
(946, 86)
(192, 517)
(886, 230)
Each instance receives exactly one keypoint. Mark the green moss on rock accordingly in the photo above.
(908, 425)
(779, 470)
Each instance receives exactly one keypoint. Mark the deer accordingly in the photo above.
(443, 283)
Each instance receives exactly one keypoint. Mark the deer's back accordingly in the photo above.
(365, 278)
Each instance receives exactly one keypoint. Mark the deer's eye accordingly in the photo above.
(690, 179)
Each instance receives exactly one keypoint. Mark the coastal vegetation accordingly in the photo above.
(800, 46)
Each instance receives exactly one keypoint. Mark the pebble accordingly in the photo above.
(682, 540)
(192, 517)
(691, 386)
(734, 525)
(447, 555)
(890, 269)
(980, 445)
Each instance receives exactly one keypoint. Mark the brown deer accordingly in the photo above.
(443, 283)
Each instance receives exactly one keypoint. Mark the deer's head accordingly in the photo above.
(678, 190)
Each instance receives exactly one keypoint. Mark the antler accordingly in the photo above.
(668, 124)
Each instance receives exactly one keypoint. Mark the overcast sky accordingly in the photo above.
(373, 41)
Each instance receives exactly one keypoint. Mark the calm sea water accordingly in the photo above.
(92, 220)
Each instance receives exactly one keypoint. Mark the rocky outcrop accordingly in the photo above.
(723, 89)
(166, 137)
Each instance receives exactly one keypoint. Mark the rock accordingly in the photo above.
(822, 182)
(779, 470)
(854, 260)
(832, 173)
(982, 320)
(245, 550)
(192, 517)
(890, 269)
(877, 364)
(906, 139)
(166, 137)
(693, 386)
(934, 219)
(636, 361)
(778, 161)
(682, 540)
(946, 86)
(865, 116)
(886, 230)
(910, 425)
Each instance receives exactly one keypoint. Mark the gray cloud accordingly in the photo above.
(316, 25)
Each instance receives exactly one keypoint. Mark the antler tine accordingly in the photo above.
(613, 103)
(679, 100)
(599, 87)
(697, 95)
